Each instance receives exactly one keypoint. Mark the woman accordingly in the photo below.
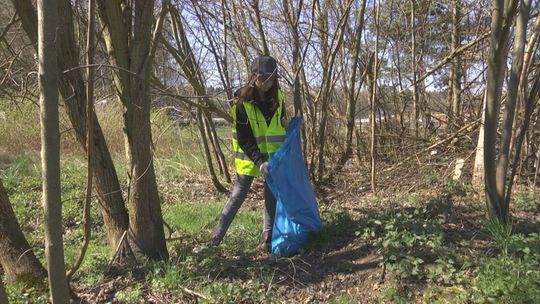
(258, 132)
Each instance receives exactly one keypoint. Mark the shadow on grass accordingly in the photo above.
(333, 250)
(526, 225)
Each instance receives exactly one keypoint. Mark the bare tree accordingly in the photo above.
(329, 53)
(456, 73)
(132, 44)
(50, 153)
(514, 96)
(262, 36)
(72, 88)
(352, 88)
(373, 89)
(414, 63)
(503, 16)
(183, 54)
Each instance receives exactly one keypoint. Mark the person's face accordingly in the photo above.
(264, 85)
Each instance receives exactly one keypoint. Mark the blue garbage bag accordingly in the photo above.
(297, 214)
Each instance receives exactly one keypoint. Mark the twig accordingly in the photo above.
(451, 56)
(98, 65)
(11, 22)
(303, 261)
(293, 279)
(117, 250)
(197, 294)
(271, 280)
(383, 274)
(89, 140)
(433, 146)
(22, 254)
(171, 231)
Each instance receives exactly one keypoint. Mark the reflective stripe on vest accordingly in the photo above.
(268, 137)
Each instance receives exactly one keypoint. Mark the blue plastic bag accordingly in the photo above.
(297, 214)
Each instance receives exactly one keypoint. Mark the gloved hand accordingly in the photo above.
(264, 168)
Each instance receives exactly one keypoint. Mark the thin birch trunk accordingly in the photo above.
(373, 103)
(478, 169)
(50, 150)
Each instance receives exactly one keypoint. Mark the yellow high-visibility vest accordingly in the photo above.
(269, 137)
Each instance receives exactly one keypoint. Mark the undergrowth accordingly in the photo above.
(414, 251)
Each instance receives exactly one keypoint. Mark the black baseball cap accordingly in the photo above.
(265, 67)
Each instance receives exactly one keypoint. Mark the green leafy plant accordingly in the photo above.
(506, 279)
(407, 240)
(453, 187)
(250, 291)
(446, 271)
(525, 201)
(345, 299)
(525, 246)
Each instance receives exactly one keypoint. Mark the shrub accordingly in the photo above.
(525, 201)
(407, 240)
(506, 279)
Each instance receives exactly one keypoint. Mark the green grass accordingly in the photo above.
(21, 132)
(95, 263)
(345, 299)
(131, 295)
(193, 219)
(198, 219)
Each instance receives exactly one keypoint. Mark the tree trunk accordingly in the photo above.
(50, 149)
(520, 40)
(455, 74)
(16, 255)
(204, 137)
(87, 218)
(145, 218)
(500, 32)
(415, 95)
(131, 46)
(292, 19)
(373, 101)
(352, 93)
(3, 295)
(325, 92)
(72, 89)
(107, 186)
(218, 152)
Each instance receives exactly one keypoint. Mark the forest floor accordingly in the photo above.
(422, 238)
